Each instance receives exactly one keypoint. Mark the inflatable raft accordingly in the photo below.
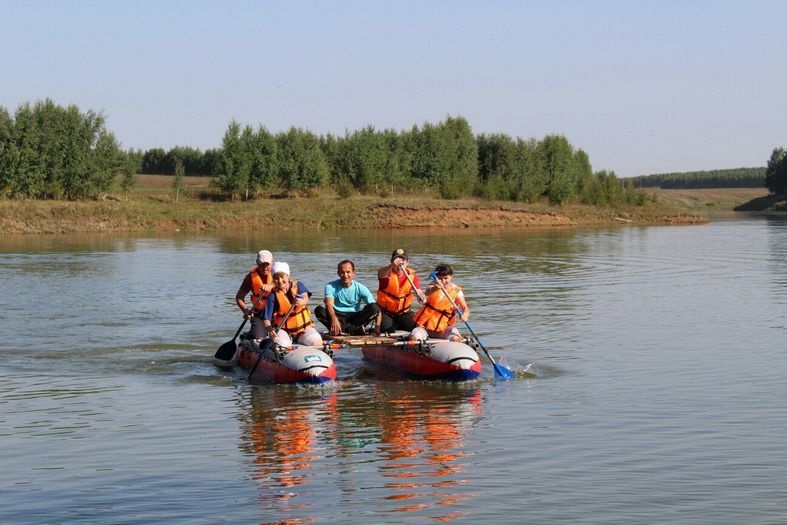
(292, 364)
(431, 359)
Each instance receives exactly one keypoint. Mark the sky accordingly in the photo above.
(641, 86)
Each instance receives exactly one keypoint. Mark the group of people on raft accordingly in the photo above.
(279, 304)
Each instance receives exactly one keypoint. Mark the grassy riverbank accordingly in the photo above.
(151, 207)
(707, 199)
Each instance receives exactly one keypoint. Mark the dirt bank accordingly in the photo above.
(393, 216)
(312, 213)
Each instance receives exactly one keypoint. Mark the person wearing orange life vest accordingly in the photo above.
(437, 316)
(286, 293)
(259, 283)
(395, 294)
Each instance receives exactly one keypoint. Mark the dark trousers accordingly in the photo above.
(352, 323)
(392, 322)
(258, 327)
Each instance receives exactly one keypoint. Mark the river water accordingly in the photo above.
(651, 383)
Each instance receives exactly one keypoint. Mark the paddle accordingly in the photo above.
(500, 371)
(351, 344)
(418, 292)
(227, 350)
(270, 339)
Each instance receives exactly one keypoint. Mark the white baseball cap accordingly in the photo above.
(280, 267)
(264, 256)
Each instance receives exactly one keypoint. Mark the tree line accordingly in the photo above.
(445, 157)
(157, 161)
(50, 151)
(727, 178)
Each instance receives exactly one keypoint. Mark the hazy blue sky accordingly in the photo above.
(641, 86)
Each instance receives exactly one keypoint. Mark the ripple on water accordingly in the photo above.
(657, 397)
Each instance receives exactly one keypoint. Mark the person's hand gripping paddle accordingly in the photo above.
(270, 339)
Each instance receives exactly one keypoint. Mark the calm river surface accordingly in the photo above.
(658, 391)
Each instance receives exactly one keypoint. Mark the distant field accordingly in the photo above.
(706, 198)
(147, 184)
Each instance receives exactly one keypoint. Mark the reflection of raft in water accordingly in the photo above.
(292, 364)
(432, 359)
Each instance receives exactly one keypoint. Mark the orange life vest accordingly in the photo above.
(299, 319)
(438, 313)
(396, 298)
(256, 288)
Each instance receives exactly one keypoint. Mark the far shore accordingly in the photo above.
(151, 207)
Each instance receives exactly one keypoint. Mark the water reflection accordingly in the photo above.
(777, 244)
(422, 434)
(410, 434)
(280, 433)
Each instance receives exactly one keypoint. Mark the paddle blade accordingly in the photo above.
(503, 372)
(226, 351)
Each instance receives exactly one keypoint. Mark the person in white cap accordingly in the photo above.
(287, 309)
(259, 283)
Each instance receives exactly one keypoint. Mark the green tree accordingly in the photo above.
(530, 177)
(776, 172)
(398, 160)
(210, 160)
(87, 134)
(445, 157)
(8, 152)
(726, 178)
(365, 158)
(613, 189)
(331, 147)
(51, 151)
(603, 189)
(190, 157)
(425, 144)
(29, 177)
(234, 163)
(108, 162)
(460, 153)
(153, 161)
(634, 197)
(178, 181)
(497, 165)
(134, 158)
(249, 156)
(57, 150)
(129, 179)
(265, 162)
(302, 163)
(583, 172)
(557, 160)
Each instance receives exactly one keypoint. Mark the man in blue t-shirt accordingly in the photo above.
(349, 305)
